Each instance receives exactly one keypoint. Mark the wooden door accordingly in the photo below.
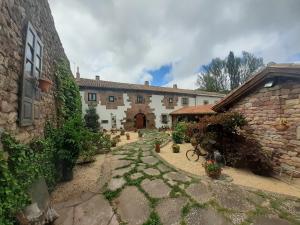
(140, 121)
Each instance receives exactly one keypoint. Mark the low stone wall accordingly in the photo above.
(14, 17)
(264, 108)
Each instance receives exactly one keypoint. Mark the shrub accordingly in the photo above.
(221, 132)
(92, 119)
(122, 132)
(177, 137)
(179, 132)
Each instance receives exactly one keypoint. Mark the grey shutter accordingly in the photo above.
(29, 83)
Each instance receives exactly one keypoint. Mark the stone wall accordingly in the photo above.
(14, 17)
(264, 108)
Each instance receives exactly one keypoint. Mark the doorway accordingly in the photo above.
(140, 121)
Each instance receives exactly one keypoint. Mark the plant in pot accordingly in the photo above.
(175, 148)
(45, 84)
(113, 142)
(140, 133)
(212, 169)
(282, 125)
(128, 136)
(157, 145)
(122, 132)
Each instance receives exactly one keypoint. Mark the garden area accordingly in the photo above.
(217, 147)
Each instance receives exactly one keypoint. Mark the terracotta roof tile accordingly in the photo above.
(89, 83)
(199, 109)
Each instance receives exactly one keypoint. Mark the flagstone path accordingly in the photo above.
(139, 188)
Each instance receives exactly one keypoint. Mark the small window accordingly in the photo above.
(185, 101)
(140, 99)
(170, 100)
(111, 98)
(104, 121)
(164, 118)
(205, 102)
(92, 97)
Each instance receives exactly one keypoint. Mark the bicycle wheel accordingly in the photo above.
(192, 155)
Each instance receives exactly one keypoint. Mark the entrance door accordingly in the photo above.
(140, 121)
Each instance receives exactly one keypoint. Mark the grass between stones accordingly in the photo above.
(153, 219)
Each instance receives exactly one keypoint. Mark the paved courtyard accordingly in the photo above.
(138, 188)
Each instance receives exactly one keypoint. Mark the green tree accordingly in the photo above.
(92, 119)
(223, 75)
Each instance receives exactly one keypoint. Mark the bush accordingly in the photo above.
(179, 132)
(220, 132)
(92, 119)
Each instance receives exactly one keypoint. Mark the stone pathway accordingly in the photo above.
(142, 189)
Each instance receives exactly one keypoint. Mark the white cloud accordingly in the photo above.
(120, 40)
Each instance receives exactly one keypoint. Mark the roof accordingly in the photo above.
(89, 83)
(196, 110)
(274, 70)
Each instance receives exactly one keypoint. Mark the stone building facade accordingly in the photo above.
(130, 106)
(29, 50)
(270, 101)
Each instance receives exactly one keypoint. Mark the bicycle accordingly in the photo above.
(194, 154)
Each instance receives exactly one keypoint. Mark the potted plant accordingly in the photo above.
(212, 169)
(128, 136)
(113, 142)
(44, 84)
(140, 133)
(175, 148)
(282, 125)
(157, 145)
(122, 132)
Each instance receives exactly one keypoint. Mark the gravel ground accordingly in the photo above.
(240, 177)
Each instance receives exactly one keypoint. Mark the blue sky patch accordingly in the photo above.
(160, 75)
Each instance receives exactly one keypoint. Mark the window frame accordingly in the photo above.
(171, 100)
(111, 97)
(183, 102)
(90, 99)
(30, 78)
(162, 119)
(139, 99)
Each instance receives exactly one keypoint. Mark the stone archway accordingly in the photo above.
(140, 121)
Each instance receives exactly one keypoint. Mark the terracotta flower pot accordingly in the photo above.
(213, 174)
(157, 148)
(281, 127)
(44, 84)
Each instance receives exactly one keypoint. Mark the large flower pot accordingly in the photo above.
(213, 174)
(157, 148)
(45, 84)
(67, 172)
(281, 127)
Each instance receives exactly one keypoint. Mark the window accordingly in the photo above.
(111, 98)
(33, 55)
(104, 121)
(140, 99)
(92, 97)
(164, 118)
(170, 100)
(205, 102)
(185, 101)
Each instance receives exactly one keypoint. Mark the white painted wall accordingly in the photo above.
(156, 104)
(106, 114)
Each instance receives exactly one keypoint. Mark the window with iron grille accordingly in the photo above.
(164, 118)
(171, 100)
(92, 97)
(111, 98)
(185, 101)
(140, 99)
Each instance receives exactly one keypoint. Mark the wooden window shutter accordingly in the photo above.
(31, 73)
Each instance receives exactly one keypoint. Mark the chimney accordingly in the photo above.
(77, 73)
(174, 85)
(97, 77)
(147, 83)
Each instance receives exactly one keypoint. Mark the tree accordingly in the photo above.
(232, 67)
(91, 119)
(223, 75)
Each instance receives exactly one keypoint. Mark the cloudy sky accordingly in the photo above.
(166, 41)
